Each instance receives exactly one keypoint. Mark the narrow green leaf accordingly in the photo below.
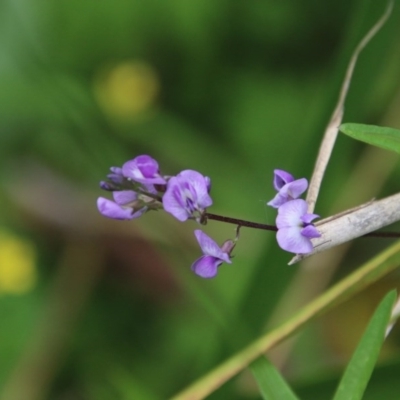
(359, 370)
(386, 138)
(271, 383)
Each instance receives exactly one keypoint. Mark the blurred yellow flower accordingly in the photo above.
(127, 89)
(17, 264)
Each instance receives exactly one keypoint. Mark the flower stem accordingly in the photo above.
(256, 225)
(240, 222)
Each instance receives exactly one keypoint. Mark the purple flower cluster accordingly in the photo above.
(295, 228)
(139, 187)
(133, 187)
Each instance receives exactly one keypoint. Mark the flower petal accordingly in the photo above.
(307, 218)
(310, 231)
(206, 266)
(288, 188)
(296, 188)
(107, 186)
(200, 185)
(147, 165)
(210, 248)
(116, 178)
(111, 209)
(122, 197)
(281, 178)
(187, 195)
(290, 239)
(208, 183)
(143, 169)
(278, 200)
(173, 201)
(290, 213)
(116, 170)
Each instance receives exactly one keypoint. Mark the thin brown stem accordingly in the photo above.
(256, 225)
(240, 222)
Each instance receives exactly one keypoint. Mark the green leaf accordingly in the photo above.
(386, 138)
(271, 383)
(359, 370)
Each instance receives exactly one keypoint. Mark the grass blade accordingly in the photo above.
(361, 365)
(271, 383)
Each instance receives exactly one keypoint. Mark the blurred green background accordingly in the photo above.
(96, 309)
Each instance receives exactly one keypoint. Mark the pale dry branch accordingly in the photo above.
(331, 131)
(353, 224)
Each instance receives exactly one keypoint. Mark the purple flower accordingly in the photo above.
(143, 169)
(213, 255)
(116, 175)
(187, 195)
(126, 205)
(288, 188)
(294, 227)
(115, 179)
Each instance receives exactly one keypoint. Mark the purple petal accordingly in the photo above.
(291, 239)
(210, 248)
(147, 165)
(116, 170)
(186, 195)
(143, 169)
(208, 183)
(123, 197)
(107, 186)
(149, 188)
(206, 266)
(290, 213)
(287, 191)
(111, 209)
(278, 200)
(281, 178)
(131, 170)
(307, 218)
(296, 188)
(115, 178)
(116, 175)
(173, 201)
(310, 231)
(200, 185)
